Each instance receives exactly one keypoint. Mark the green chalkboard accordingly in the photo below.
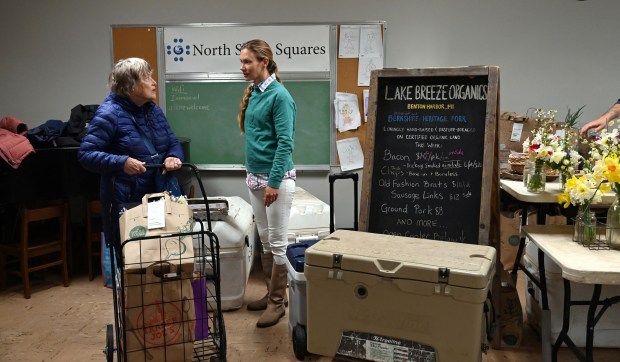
(206, 112)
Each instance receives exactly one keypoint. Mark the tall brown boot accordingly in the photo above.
(267, 263)
(260, 304)
(275, 303)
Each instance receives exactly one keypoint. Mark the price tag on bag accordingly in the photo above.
(517, 129)
(156, 214)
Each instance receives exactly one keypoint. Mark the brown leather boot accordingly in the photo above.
(275, 303)
(267, 263)
(260, 304)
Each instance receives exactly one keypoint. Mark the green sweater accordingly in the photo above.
(270, 132)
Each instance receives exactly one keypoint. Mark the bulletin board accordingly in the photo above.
(347, 82)
(313, 93)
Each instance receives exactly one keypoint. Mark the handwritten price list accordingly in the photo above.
(427, 168)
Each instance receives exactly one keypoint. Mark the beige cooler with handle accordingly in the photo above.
(380, 297)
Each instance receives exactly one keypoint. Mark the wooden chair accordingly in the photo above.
(48, 247)
(93, 234)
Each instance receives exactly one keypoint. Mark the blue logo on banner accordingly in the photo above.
(177, 49)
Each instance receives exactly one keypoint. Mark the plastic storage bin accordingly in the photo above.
(297, 317)
(309, 218)
(232, 221)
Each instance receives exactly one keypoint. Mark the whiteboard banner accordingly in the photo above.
(215, 49)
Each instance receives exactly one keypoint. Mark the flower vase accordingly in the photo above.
(564, 176)
(613, 225)
(536, 179)
(528, 167)
(585, 226)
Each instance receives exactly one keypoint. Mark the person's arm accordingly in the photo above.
(284, 114)
(600, 123)
(92, 154)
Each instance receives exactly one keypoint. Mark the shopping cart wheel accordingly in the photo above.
(109, 344)
(299, 342)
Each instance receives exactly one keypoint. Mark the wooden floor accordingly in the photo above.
(69, 324)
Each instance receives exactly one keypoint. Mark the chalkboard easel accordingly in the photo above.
(431, 164)
(431, 157)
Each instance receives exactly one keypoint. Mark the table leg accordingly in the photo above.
(545, 322)
(591, 322)
(541, 214)
(541, 219)
(517, 264)
(563, 336)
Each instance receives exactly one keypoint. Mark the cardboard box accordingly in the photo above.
(510, 317)
(510, 235)
(514, 129)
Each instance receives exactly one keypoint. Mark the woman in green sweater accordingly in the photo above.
(267, 117)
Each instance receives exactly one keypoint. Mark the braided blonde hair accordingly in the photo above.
(262, 50)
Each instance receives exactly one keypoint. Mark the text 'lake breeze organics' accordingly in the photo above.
(427, 159)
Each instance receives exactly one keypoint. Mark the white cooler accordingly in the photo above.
(607, 330)
(309, 217)
(388, 298)
(232, 221)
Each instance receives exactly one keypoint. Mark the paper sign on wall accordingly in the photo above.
(216, 49)
(347, 111)
(350, 153)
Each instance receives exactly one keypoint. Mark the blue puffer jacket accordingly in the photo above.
(111, 138)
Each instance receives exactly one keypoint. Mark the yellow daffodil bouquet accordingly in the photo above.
(605, 153)
(605, 157)
(581, 191)
(609, 169)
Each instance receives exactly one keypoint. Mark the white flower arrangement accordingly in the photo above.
(607, 143)
(544, 142)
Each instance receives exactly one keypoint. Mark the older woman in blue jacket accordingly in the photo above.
(114, 146)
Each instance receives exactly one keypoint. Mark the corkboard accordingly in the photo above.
(136, 42)
(346, 81)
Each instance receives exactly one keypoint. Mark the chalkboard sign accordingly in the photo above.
(431, 156)
(206, 112)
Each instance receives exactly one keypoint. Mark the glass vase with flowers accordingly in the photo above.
(540, 148)
(605, 154)
(566, 160)
(582, 191)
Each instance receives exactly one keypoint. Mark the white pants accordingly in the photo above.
(272, 221)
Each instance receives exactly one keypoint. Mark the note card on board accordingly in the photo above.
(350, 154)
